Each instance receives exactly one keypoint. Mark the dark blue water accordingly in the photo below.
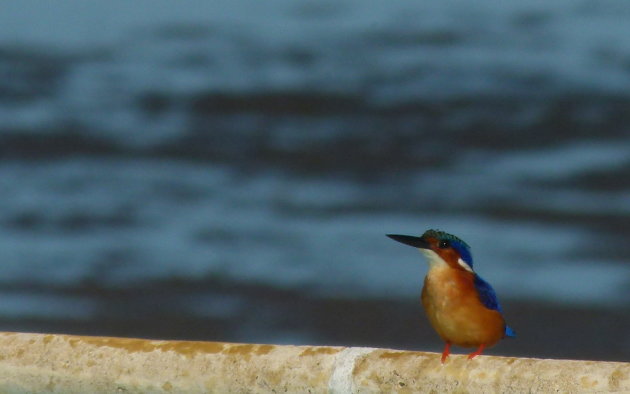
(235, 165)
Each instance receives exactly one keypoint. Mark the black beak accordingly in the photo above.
(416, 242)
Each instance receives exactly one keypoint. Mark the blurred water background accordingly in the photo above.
(227, 170)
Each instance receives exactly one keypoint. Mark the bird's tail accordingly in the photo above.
(509, 332)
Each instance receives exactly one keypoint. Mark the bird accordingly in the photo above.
(461, 306)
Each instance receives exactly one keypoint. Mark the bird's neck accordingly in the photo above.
(445, 280)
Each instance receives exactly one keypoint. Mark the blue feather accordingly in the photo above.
(464, 252)
(509, 332)
(487, 296)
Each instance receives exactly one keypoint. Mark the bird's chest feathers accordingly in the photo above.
(455, 310)
(446, 289)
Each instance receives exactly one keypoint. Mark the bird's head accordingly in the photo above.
(440, 248)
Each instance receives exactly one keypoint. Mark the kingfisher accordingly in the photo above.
(461, 306)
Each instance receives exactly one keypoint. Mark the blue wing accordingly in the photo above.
(487, 296)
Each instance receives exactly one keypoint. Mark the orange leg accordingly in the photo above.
(476, 352)
(446, 352)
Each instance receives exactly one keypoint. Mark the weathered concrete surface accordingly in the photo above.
(31, 363)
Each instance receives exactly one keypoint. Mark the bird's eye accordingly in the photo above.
(444, 244)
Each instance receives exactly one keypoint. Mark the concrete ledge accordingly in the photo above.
(31, 363)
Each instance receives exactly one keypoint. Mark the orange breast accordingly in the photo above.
(455, 311)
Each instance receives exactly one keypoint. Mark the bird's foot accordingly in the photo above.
(476, 352)
(446, 352)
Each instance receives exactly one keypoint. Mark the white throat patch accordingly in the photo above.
(434, 259)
